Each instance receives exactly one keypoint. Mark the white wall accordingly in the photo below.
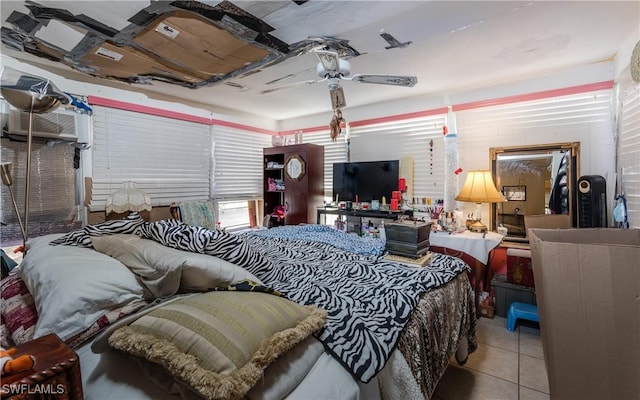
(623, 56)
(598, 72)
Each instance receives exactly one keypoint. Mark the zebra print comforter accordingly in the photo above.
(326, 234)
(368, 301)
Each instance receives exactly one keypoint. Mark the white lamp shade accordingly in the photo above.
(479, 188)
(128, 198)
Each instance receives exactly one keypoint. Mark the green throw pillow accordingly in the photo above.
(219, 342)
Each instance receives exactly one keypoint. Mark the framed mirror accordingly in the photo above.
(536, 180)
(515, 193)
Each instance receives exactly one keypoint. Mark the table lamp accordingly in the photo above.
(479, 188)
(128, 198)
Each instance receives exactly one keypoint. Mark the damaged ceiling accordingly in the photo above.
(232, 54)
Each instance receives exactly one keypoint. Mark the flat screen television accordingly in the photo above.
(369, 180)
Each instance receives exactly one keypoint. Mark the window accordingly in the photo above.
(583, 117)
(169, 159)
(628, 150)
(53, 196)
(419, 138)
(233, 215)
(237, 181)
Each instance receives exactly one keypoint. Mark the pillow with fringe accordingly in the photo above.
(219, 343)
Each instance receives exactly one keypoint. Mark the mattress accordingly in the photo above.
(115, 375)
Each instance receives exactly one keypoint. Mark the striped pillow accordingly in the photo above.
(82, 238)
(229, 247)
(18, 309)
(219, 343)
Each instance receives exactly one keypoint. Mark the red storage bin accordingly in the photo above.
(519, 270)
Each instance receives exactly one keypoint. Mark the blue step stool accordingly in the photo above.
(521, 311)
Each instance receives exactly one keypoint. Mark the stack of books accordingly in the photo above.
(415, 262)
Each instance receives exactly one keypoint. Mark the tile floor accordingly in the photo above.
(506, 366)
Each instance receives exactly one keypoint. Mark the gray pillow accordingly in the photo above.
(165, 270)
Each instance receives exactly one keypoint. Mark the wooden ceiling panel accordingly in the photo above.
(128, 63)
(188, 40)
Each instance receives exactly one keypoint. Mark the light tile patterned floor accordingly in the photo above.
(506, 366)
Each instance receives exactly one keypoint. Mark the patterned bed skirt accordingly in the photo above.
(430, 338)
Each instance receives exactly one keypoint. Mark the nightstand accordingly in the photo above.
(55, 375)
(467, 244)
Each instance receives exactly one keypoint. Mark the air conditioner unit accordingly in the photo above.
(60, 124)
(592, 202)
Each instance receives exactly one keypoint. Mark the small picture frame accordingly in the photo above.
(515, 193)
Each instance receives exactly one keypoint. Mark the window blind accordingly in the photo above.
(628, 151)
(419, 138)
(167, 158)
(334, 152)
(238, 163)
(583, 117)
(570, 118)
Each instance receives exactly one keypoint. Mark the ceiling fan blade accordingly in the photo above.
(330, 61)
(337, 97)
(395, 80)
(308, 82)
(288, 76)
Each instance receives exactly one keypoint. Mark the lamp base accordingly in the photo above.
(477, 226)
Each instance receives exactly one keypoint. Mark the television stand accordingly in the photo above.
(359, 215)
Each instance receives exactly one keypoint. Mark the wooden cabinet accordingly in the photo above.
(514, 222)
(294, 179)
(55, 375)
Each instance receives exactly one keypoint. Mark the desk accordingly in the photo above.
(363, 213)
(476, 245)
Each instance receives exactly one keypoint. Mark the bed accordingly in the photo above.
(167, 310)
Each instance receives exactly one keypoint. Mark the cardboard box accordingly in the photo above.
(507, 293)
(547, 221)
(588, 293)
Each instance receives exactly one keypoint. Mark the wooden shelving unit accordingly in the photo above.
(300, 197)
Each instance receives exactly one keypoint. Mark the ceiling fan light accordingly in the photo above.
(329, 60)
(320, 70)
(345, 67)
(343, 70)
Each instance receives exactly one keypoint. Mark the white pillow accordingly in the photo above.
(158, 270)
(202, 272)
(72, 286)
(159, 266)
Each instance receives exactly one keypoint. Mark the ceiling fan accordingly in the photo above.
(333, 69)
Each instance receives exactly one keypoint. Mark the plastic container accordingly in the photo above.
(507, 293)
